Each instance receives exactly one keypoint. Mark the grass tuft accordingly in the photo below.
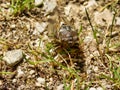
(19, 6)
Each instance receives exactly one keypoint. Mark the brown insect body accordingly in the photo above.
(67, 35)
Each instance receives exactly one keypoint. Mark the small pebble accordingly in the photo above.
(92, 88)
(13, 57)
(95, 68)
(20, 73)
(60, 87)
(40, 27)
(49, 5)
(38, 2)
(13, 26)
(1, 82)
(32, 72)
(14, 80)
(117, 20)
(99, 88)
(40, 81)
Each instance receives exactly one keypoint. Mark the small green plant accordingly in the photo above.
(111, 30)
(94, 34)
(93, 30)
(115, 71)
(19, 6)
(6, 73)
(73, 73)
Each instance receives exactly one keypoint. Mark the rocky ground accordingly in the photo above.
(35, 54)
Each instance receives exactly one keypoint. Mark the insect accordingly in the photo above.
(67, 45)
(67, 35)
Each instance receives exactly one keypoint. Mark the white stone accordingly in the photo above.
(38, 2)
(1, 82)
(49, 5)
(100, 88)
(88, 39)
(21, 87)
(92, 88)
(13, 26)
(38, 84)
(104, 15)
(72, 11)
(32, 72)
(67, 9)
(60, 87)
(92, 4)
(40, 27)
(20, 73)
(40, 81)
(13, 57)
(95, 68)
(117, 20)
(14, 80)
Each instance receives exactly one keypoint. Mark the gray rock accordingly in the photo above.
(13, 57)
